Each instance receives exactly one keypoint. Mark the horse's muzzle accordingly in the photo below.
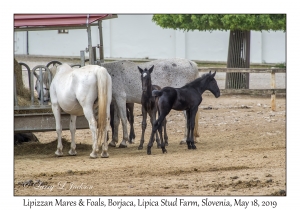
(45, 100)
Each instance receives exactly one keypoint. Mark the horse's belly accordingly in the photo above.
(73, 108)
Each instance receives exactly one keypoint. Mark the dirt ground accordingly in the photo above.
(241, 151)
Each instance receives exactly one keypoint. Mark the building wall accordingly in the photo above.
(136, 36)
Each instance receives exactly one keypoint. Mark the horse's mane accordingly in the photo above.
(198, 80)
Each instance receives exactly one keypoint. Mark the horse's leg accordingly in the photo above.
(89, 115)
(130, 107)
(196, 130)
(155, 127)
(116, 123)
(166, 138)
(121, 104)
(56, 111)
(188, 120)
(144, 126)
(72, 151)
(193, 113)
(112, 113)
(104, 153)
(152, 115)
(183, 141)
(164, 125)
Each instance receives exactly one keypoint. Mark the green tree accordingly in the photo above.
(239, 26)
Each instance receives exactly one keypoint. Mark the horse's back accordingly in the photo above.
(126, 81)
(174, 72)
(76, 87)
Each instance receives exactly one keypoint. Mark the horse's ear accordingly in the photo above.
(141, 70)
(151, 69)
(213, 75)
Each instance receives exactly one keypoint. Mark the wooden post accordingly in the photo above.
(273, 96)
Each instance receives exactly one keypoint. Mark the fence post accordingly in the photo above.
(273, 95)
(91, 57)
(15, 92)
(82, 58)
(101, 53)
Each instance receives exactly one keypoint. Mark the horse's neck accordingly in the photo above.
(200, 87)
(53, 70)
(148, 94)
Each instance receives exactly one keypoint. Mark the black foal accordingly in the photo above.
(149, 105)
(186, 98)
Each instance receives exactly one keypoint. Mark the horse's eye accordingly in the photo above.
(46, 88)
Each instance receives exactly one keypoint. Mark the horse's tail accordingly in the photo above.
(157, 93)
(104, 100)
(195, 68)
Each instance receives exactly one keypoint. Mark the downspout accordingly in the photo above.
(27, 43)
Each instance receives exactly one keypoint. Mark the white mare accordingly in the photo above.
(76, 92)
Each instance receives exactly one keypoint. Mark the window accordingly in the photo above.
(63, 31)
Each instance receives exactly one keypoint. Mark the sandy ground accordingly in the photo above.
(241, 151)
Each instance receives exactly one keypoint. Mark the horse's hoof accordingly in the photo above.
(59, 153)
(104, 155)
(112, 144)
(140, 147)
(93, 155)
(131, 141)
(194, 147)
(122, 146)
(182, 142)
(72, 152)
(164, 150)
(149, 151)
(189, 147)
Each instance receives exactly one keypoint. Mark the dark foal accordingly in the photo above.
(186, 98)
(130, 118)
(149, 105)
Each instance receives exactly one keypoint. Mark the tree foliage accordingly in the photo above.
(210, 22)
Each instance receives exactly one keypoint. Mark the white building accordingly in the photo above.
(136, 36)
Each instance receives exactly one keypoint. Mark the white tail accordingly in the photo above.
(104, 100)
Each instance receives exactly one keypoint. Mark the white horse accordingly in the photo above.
(76, 92)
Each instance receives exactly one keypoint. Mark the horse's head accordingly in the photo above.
(146, 78)
(213, 85)
(42, 89)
